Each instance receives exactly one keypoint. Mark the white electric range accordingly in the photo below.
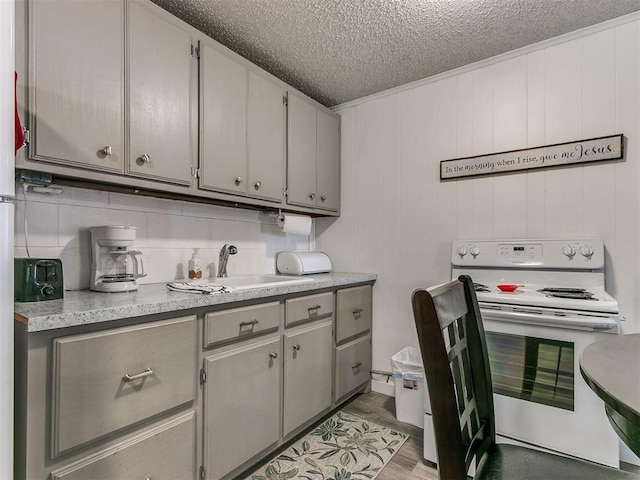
(542, 302)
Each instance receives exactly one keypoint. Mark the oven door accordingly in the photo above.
(539, 395)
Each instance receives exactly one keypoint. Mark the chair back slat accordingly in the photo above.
(452, 344)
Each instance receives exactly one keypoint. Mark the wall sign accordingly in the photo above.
(582, 151)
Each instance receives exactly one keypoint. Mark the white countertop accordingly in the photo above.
(84, 307)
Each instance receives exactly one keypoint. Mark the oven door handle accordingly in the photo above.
(578, 321)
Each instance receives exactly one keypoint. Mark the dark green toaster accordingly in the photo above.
(37, 279)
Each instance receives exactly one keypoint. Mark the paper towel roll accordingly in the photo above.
(299, 224)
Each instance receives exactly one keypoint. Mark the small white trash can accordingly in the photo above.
(408, 374)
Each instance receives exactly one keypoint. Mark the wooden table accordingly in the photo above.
(611, 368)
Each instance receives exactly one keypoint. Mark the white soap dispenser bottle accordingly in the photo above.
(195, 265)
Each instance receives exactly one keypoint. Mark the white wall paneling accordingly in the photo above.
(404, 218)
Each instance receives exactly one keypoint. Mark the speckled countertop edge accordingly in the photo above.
(84, 307)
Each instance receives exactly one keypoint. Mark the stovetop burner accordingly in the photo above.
(573, 293)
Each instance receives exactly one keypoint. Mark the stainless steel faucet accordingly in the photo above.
(224, 258)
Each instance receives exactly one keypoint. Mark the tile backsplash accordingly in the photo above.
(168, 231)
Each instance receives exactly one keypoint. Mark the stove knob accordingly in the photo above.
(569, 251)
(462, 251)
(475, 251)
(586, 251)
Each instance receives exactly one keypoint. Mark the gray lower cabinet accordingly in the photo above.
(164, 452)
(307, 374)
(122, 401)
(353, 340)
(110, 403)
(241, 405)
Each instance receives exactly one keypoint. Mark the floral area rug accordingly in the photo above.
(344, 447)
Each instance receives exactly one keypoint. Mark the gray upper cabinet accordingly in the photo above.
(266, 138)
(159, 100)
(242, 128)
(328, 167)
(223, 121)
(120, 92)
(76, 73)
(313, 170)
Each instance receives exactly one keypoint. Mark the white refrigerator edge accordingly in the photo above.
(7, 208)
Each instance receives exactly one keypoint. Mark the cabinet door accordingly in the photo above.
(241, 405)
(167, 451)
(77, 86)
(159, 71)
(223, 118)
(307, 374)
(353, 366)
(301, 168)
(108, 380)
(328, 168)
(266, 139)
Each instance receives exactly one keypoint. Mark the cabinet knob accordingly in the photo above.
(357, 313)
(239, 180)
(296, 347)
(356, 365)
(323, 198)
(144, 158)
(257, 185)
(107, 151)
(312, 196)
(273, 354)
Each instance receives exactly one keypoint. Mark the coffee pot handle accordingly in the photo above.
(137, 259)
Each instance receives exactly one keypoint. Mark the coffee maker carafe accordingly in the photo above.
(114, 267)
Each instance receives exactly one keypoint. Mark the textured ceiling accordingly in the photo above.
(339, 50)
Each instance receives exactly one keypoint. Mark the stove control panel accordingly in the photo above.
(538, 254)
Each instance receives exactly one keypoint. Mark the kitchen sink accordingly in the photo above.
(246, 282)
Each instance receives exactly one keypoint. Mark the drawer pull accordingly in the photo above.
(273, 354)
(314, 309)
(356, 365)
(252, 323)
(146, 373)
(296, 347)
(357, 313)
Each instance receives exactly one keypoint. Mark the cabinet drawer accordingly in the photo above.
(353, 365)
(353, 312)
(167, 451)
(311, 307)
(107, 380)
(239, 323)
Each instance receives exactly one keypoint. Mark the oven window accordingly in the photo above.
(533, 369)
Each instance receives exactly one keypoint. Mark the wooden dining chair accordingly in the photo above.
(454, 353)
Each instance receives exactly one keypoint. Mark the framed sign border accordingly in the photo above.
(524, 167)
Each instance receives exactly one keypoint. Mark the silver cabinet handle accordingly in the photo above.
(239, 180)
(273, 354)
(356, 365)
(323, 198)
(145, 158)
(257, 185)
(314, 309)
(147, 372)
(296, 347)
(107, 151)
(357, 313)
(312, 196)
(249, 324)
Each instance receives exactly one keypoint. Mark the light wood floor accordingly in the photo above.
(407, 464)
